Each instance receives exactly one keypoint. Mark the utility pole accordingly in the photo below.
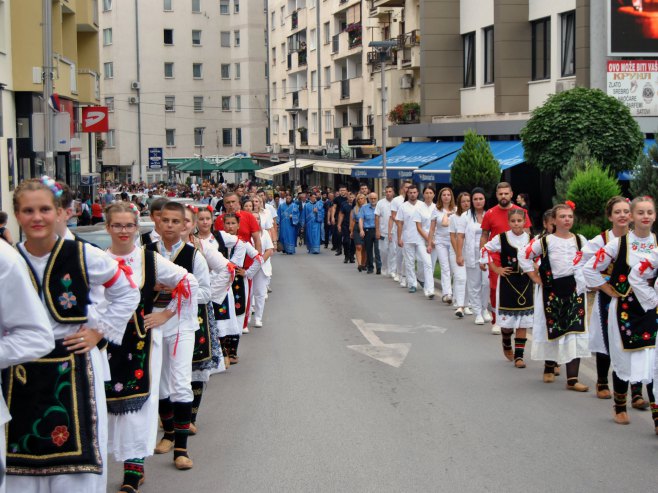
(319, 69)
(142, 172)
(47, 76)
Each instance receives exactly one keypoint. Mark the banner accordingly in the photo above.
(634, 83)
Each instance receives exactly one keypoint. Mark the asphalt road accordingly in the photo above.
(302, 412)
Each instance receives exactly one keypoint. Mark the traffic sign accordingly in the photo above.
(95, 119)
(155, 157)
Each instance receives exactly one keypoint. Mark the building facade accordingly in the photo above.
(186, 76)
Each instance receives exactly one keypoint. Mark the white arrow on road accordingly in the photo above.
(392, 354)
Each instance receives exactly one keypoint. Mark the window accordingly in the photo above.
(109, 102)
(488, 33)
(327, 33)
(273, 90)
(541, 49)
(327, 122)
(273, 20)
(284, 125)
(224, 7)
(107, 5)
(283, 53)
(237, 70)
(469, 59)
(236, 35)
(238, 103)
(225, 70)
(312, 40)
(236, 6)
(170, 137)
(284, 89)
(314, 122)
(346, 119)
(275, 124)
(568, 45)
(170, 103)
(226, 103)
(167, 6)
(196, 38)
(198, 136)
(314, 80)
(327, 77)
(274, 55)
(196, 6)
(226, 136)
(198, 103)
(107, 36)
(169, 70)
(108, 70)
(283, 15)
(169, 37)
(225, 37)
(238, 136)
(197, 70)
(110, 139)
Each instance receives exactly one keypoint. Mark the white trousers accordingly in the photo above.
(413, 252)
(176, 378)
(477, 282)
(387, 252)
(399, 261)
(259, 288)
(458, 281)
(442, 253)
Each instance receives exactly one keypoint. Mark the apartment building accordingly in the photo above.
(323, 74)
(75, 79)
(187, 76)
(7, 115)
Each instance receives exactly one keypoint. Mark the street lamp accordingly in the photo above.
(293, 114)
(384, 49)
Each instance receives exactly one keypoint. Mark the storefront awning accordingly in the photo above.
(272, 171)
(404, 159)
(333, 167)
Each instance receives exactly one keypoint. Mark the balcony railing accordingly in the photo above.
(301, 58)
(409, 39)
(374, 58)
(345, 89)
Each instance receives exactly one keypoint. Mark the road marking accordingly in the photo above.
(392, 354)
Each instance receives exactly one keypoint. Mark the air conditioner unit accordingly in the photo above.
(133, 100)
(406, 81)
(564, 85)
(135, 85)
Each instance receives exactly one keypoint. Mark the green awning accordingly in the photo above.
(238, 165)
(197, 165)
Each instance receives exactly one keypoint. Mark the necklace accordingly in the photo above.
(521, 300)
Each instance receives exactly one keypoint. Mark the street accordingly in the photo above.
(439, 409)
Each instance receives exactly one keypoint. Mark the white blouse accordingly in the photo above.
(220, 276)
(472, 231)
(240, 252)
(423, 215)
(441, 232)
(519, 242)
(639, 280)
(563, 255)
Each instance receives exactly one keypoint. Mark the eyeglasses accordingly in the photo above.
(117, 228)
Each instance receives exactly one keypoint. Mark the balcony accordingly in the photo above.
(87, 15)
(373, 58)
(347, 91)
(88, 86)
(301, 58)
(354, 32)
(409, 48)
(347, 43)
(387, 3)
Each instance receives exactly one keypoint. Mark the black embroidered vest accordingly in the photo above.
(620, 269)
(183, 258)
(221, 244)
(65, 285)
(146, 239)
(508, 253)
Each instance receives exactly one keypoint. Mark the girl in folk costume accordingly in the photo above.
(222, 303)
(457, 268)
(618, 211)
(58, 442)
(514, 292)
(136, 363)
(263, 276)
(477, 278)
(631, 328)
(445, 208)
(207, 350)
(240, 287)
(559, 329)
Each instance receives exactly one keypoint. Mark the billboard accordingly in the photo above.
(632, 27)
(635, 84)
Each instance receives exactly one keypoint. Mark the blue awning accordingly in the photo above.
(628, 175)
(508, 153)
(402, 160)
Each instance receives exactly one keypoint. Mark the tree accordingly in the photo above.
(475, 165)
(645, 174)
(582, 115)
(590, 189)
(578, 162)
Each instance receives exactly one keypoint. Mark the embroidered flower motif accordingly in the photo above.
(624, 316)
(66, 281)
(628, 332)
(646, 336)
(630, 298)
(579, 299)
(548, 310)
(202, 340)
(200, 320)
(67, 300)
(581, 312)
(140, 345)
(238, 305)
(139, 374)
(63, 367)
(130, 356)
(622, 278)
(624, 306)
(60, 435)
(118, 387)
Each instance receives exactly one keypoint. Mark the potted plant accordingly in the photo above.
(405, 113)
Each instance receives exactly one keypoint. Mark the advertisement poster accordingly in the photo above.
(632, 27)
(634, 83)
(10, 164)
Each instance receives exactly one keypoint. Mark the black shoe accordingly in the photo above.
(346, 260)
(338, 254)
(422, 284)
(352, 261)
(333, 249)
(370, 271)
(379, 272)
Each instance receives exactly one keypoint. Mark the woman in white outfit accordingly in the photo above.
(263, 276)
(477, 280)
(445, 208)
(457, 267)
(423, 219)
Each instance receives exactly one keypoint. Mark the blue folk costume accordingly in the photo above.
(312, 224)
(288, 219)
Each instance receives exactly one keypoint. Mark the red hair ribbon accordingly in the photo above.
(644, 265)
(578, 257)
(193, 208)
(127, 270)
(528, 250)
(571, 204)
(209, 208)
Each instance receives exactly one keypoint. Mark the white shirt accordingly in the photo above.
(220, 277)
(238, 254)
(383, 212)
(266, 219)
(441, 232)
(423, 215)
(396, 203)
(472, 231)
(456, 223)
(519, 242)
(271, 210)
(646, 294)
(266, 244)
(406, 215)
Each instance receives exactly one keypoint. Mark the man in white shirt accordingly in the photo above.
(398, 273)
(408, 236)
(386, 241)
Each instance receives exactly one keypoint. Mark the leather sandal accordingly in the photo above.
(639, 403)
(519, 363)
(578, 387)
(126, 488)
(192, 431)
(508, 352)
(603, 391)
(164, 446)
(556, 370)
(621, 418)
(183, 463)
(549, 377)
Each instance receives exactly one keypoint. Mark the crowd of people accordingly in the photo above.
(118, 342)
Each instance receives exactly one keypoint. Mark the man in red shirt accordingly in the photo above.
(249, 229)
(495, 222)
